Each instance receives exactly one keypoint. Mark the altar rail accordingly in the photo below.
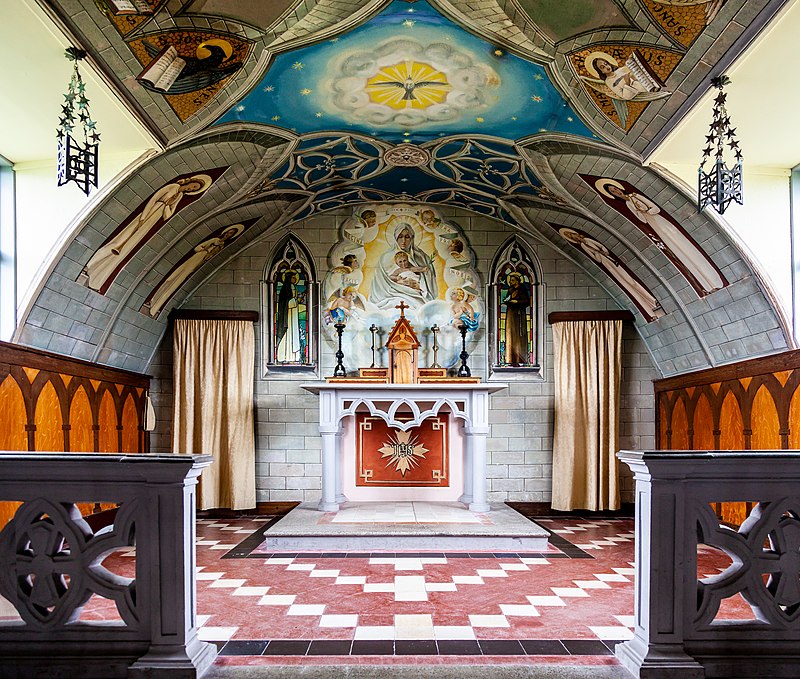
(59, 577)
(742, 406)
(51, 402)
(744, 621)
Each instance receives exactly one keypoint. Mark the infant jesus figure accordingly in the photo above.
(405, 274)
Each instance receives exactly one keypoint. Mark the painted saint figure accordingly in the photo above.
(681, 250)
(288, 337)
(517, 301)
(647, 304)
(385, 291)
(159, 208)
(618, 83)
(201, 254)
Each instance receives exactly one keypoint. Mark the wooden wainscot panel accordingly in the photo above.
(54, 403)
(751, 405)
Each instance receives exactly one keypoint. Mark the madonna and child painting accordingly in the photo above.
(388, 254)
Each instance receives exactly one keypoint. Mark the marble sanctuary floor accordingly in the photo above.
(562, 607)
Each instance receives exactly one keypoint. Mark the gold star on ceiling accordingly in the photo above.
(538, 76)
(479, 119)
(276, 118)
(536, 98)
(269, 88)
(318, 114)
(409, 23)
(305, 91)
(298, 65)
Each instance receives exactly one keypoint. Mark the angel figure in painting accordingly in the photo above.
(199, 256)
(159, 208)
(682, 251)
(648, 304)
(618, 83)
(516, 339)
(343, 305)
(348, 272)
(462, 311)
(288, 335)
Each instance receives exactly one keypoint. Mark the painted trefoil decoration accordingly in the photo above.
(720, 184)
(78, 138)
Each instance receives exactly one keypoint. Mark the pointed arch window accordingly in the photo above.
(516, 313)
(289, 298)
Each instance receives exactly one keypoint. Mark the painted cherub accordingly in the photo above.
(405, 274)
(462, 311)
(343, 303)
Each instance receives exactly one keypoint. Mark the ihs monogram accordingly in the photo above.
(403, 452)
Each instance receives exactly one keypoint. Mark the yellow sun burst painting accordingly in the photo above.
(403, 452)
(409, 84)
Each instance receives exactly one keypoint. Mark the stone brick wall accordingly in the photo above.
(520, 443)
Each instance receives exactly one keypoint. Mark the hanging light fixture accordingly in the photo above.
(720, 185)
(77, 161)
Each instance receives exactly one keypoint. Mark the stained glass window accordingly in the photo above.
(291, 292)
(515, 287)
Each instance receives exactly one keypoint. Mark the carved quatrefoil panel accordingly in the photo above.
(51, 563)
(765, 568)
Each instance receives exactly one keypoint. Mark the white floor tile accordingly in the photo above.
(216, 633)
(612, 633)
(611, 577)
(301, 567)
(514, 567)
(453, 632)
(338, 621)
(491, 573)
(351, 580)
(250, 591)
(324, 574)
(209, 576)
(468, 579)
(519, 610)
(592, 584)
(627, 620)
(368, 633)
(277, 600)
(488, 621)
(441, 587)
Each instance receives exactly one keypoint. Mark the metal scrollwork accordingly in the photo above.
(51, 563)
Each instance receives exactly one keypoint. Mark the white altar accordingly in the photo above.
(468, 402)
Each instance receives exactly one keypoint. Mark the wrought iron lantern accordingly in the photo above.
(77, 160)
(720, 185)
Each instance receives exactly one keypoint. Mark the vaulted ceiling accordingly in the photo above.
(515, 109)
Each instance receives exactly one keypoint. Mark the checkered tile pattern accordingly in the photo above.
(575, 599)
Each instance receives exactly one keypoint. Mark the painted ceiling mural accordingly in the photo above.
(408, 75)
(537, 113)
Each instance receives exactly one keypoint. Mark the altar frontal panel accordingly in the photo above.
(386, 456)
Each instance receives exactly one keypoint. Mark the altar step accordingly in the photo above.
(404, 526)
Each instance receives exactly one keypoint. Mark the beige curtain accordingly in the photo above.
(588, 359)
(213, 413)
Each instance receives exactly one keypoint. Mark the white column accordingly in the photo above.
(329, 463)
(466, 498)
(341, 498)
(476, 445)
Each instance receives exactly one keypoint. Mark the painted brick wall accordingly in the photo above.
(520, 443)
